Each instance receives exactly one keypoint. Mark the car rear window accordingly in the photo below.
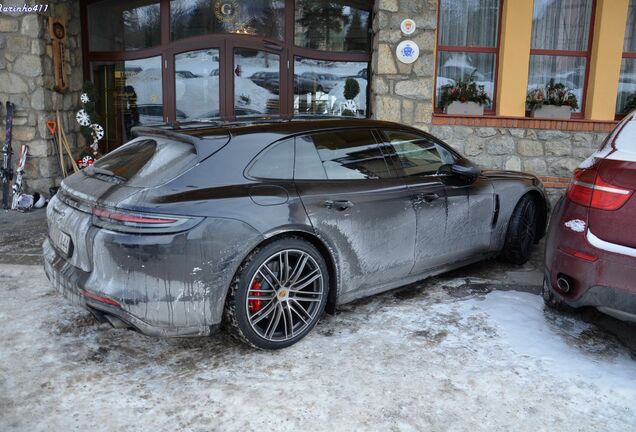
(149, 162)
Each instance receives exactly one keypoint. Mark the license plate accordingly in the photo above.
(60, 239)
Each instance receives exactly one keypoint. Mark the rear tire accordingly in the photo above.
(522, 230)
(287, 282)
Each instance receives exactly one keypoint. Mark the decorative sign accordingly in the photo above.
(57, 31)
(226, 11)
(407, 51)
(408, 26)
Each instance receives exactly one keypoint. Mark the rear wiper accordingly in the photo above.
(92, 170)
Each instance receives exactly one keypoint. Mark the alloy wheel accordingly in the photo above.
(284, 295)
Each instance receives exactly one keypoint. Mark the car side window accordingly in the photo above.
(308, 165)
(275, 162)
(415, 154)
(350, 155)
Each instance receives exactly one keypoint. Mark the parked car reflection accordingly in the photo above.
(153, 114)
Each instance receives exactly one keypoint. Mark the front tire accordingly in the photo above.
(522, 230)
(278, 294)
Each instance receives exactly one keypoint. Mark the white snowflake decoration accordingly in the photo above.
(98, 131)
(82, 118)
(84, 98)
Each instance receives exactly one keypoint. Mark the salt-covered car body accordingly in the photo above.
(154, 234)
(591, 246)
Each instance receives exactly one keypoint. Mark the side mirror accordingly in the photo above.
(470, 172)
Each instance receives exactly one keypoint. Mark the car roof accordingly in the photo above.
(283, 127)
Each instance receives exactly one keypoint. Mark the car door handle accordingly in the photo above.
(338, 204)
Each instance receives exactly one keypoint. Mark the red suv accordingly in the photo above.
(590, 255)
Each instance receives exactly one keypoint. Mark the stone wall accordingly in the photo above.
(404, 93)
(401, 92)
(539, 151)
(26, 79)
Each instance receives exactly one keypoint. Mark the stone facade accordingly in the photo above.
(404, 93)
(401, 92)
(539, 151)
(26, 79)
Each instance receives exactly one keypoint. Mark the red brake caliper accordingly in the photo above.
(255, 291)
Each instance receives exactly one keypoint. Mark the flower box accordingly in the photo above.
(563, 112)
(465, 108)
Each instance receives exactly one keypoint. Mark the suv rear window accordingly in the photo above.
(149, 162)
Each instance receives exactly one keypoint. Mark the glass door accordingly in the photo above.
(257, 82)
(197, 77)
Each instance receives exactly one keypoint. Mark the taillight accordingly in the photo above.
(121, 220)
(132, 218)
(589, 190)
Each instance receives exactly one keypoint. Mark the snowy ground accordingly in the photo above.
(440, 356)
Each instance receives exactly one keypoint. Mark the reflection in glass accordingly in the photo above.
(469, 23)
(569, 71)
(199, 17)
(627, 84)
(129, 94)
(116, 26)
(455, 66)
(320, 87)
(256, 83)
(417, 155)
(197, 84)
(331, 25)
(351, 155)
(561, 24)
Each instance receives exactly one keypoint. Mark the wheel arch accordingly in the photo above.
(325, 251)
(542, 213)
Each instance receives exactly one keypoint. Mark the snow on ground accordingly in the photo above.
(421, 358)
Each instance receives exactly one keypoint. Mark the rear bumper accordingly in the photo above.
(71, 282)
(605, 280)
(612, 301)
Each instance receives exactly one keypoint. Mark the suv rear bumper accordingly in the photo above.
(599, 277)
(72, 282)
(616, 302)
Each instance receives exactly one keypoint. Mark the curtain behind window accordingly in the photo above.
(469, 23)
(563, 26)
(627, 83)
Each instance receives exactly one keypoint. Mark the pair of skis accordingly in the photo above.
(7, 171)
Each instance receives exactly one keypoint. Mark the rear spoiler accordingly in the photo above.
(205, 146)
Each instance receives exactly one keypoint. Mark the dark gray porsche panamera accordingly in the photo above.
(262, 226)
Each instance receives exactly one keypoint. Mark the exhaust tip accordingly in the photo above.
(564, 283)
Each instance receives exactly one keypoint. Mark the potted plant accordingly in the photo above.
(351, 90)
(555, 101)
(464, 97)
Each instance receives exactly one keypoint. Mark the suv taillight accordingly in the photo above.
(127, 221)
(589, 190)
